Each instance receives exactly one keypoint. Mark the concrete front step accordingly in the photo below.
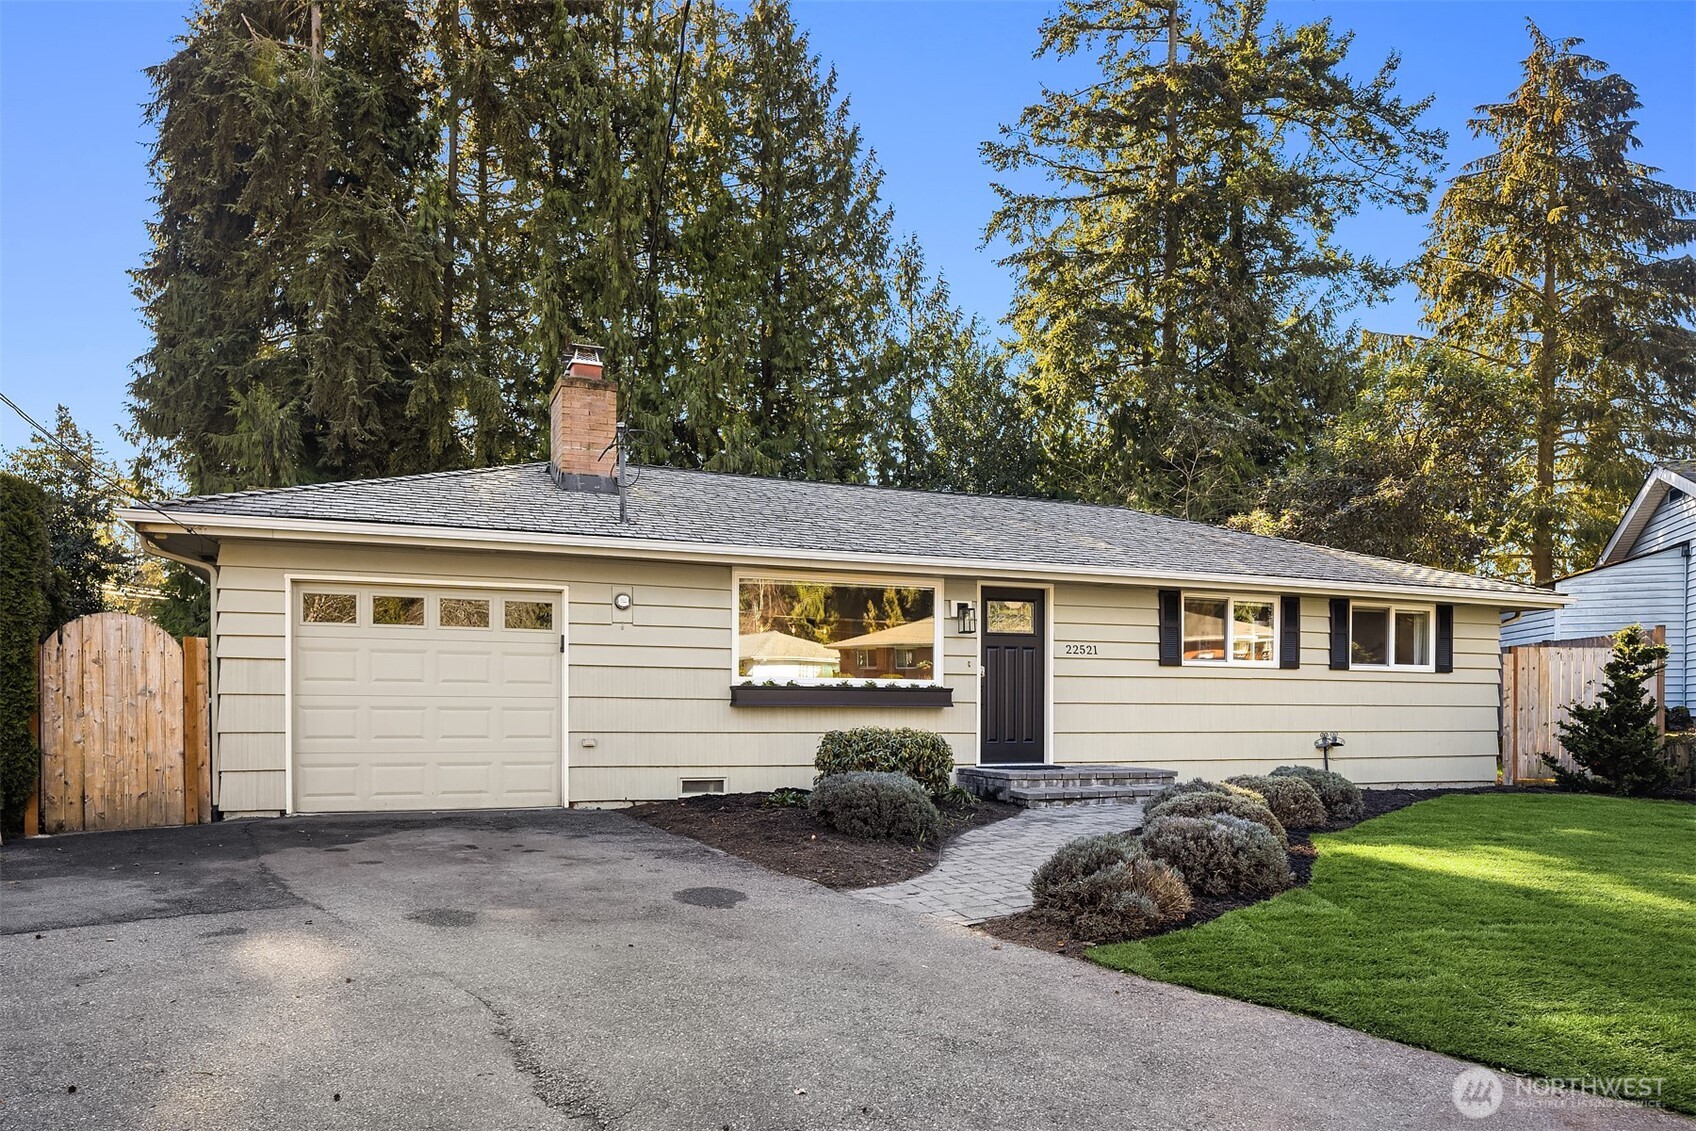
(1080, 795)
(1065, 785)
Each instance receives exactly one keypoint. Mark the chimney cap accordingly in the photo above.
(585, 353)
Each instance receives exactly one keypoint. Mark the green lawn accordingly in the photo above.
(1547, 934)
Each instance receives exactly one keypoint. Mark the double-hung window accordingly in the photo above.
(1230, 629)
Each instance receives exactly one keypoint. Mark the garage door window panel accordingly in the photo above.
(329, 608)
(530, 615)
(397, 611)
(463, 612)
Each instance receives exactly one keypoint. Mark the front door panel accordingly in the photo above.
(1014, 676)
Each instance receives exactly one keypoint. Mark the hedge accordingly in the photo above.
(25, 573)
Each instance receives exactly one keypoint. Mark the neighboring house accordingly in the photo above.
(779, 656)
(1646, 575)
(501, 637)
(901, 651)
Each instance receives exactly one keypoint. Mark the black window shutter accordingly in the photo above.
(1339, 633)
(1171, 628)
(1445, 638)
(1289, 648)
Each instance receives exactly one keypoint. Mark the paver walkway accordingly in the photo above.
(987, 872)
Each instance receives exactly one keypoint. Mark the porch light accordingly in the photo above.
(965, 618)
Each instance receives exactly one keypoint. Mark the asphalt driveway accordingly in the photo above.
(577, 969)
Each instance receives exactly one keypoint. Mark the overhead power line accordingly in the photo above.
(90, 466)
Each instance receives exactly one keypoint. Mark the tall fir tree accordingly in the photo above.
(1554, 257)
(1177, 267)
(382, 222)
(290, 283)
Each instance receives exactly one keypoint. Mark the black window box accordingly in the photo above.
(745, 696)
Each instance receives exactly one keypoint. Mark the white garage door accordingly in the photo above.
(410, 697)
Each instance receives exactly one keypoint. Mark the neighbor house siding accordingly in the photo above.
(1673, 526)
(1651, 590)
(649, 686)
(1400, 726)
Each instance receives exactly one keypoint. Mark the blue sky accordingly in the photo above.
(928, 82)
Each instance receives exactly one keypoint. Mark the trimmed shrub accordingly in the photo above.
(1219, 855)
(1216, 804)
(25, 573)
(1107, 891)
(1077, 859)
(1179, 789)
(1341, 796)
(922, 755)
(1295, 803)
(875, 806)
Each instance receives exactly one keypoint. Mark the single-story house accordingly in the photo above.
(1646, 575)
(567, 633)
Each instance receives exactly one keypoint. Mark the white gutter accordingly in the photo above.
(315, 530)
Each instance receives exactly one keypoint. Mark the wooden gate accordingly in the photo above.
(124, 734)
(1539, 682)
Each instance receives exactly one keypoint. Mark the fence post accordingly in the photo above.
(197, 801)
(1510, 745)
(32, 807)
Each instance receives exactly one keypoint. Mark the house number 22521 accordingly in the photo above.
(1082, 650)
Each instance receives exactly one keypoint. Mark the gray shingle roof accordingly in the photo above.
(704, 509)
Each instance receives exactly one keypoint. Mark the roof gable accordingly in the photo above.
(1662, 481)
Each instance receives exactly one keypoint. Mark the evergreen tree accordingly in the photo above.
(291, 286)
(772, 332)
(1421, 467)
(1177, 271)
(382, 222)
(90, 551)
(1616, 741)
(1553, 257)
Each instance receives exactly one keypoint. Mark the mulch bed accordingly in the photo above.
(1029, 929)
(786, 839)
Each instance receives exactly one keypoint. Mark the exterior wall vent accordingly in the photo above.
(694, 787)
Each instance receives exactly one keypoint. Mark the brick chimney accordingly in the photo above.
(582, 424)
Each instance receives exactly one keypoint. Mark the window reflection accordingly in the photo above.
(818, 631)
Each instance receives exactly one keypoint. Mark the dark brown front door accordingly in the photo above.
(1014, 675)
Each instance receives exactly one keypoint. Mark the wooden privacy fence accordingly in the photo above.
(124, 727)
(1539, 682)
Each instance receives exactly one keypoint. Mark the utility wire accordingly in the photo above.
(89, 465)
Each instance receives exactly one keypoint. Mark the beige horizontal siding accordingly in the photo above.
(649, 687)
(1213, 720)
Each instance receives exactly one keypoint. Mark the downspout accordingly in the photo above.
(210, 569)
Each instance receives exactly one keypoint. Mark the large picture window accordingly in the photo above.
(1390, 636)
(791, 631)
(1229, 630)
